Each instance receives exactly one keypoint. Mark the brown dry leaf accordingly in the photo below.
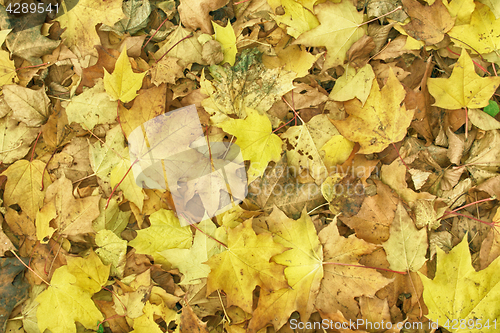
(166, 71)
(190, 323)
(196, 14)
(428, 23)
(394, 176)
(490, 248)
(107, 60)
(15, 139)
(277, 188)
(28, 105)
(373, 221)
(74, 216)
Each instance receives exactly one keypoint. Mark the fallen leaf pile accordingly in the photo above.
(330, 166)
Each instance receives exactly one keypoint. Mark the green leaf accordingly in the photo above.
(492, 108)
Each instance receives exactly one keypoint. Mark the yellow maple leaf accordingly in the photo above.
(464, 88)
(256, 140)
(80, 22)
(482, 34)
(353, 84)
(304, 143)
(227, 38)
(304, 271)
(296, 19)
(8, 73)
(190, 262)
(128, 184)
(246, 265)
(24, 185)
(380, 121)
(459, 293)
(164, 233)
(341, 26)
(461, 9)
(291, 58)
(92, 107)
(403, 254)
(123, 83)
(68, 298)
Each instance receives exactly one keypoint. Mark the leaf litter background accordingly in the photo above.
(326, 99)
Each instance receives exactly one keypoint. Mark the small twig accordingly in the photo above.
(491, 224)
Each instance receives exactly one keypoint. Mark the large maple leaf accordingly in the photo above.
(256, 140)
(123, 83)
(341, 26)
(304, 271)
(68, 298)
(344, 278)
(459, 293)
(464, 88)
(380, 121)
(246, 265)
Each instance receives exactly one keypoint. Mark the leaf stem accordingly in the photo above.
(46, 63)
(121, 181)
(466, 123)
(397, 151)
(34, 146)
(209, 236)
(156, 31)
(177, 43)
(386, 14)
(31, 269)
(465, 206)
(491, 224)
